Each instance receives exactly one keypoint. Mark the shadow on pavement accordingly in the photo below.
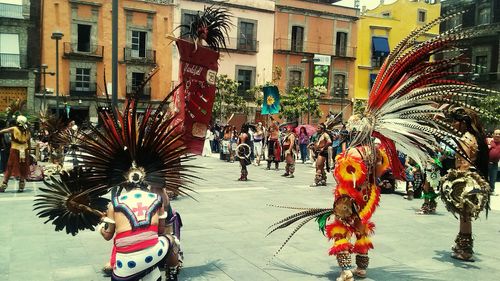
(282, 266)
(444, 256)
(398, 272)
(205, 270)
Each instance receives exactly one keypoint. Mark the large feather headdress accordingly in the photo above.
(405, 109)
(129, 149)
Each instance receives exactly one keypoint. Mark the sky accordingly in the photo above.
(370, 4)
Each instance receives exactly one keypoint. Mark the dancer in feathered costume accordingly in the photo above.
(465, 190)
(403, 110)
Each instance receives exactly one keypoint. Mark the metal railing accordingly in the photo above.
(243, 45)
(144, 94)
(284, 44)
(130, 55)
(82, 89)
(12, 60)
(71, 49)
(11, 11)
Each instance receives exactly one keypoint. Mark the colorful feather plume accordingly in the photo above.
(68, 204)
(125, 143)
(211, 26)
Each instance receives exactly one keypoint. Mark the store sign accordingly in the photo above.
(322, 60)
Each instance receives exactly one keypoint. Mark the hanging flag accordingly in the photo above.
(271, 103)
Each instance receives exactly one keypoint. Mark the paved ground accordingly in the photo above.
(224, 235)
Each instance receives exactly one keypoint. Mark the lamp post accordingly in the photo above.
(310, 61)
(57, 35)
(43, 71)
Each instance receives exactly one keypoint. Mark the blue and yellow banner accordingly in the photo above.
(271, 103)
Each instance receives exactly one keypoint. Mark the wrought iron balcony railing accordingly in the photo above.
(74, 50)
(82, 89)
(144, 94)
(139, 56)
(243, 45)
(289, 45)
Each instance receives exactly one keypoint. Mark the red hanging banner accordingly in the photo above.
(193, 101)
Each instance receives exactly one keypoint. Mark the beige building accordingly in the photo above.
(249, 59)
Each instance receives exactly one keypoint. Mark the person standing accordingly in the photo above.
(465, 190)
(18, 165)
(5, 142)
(258, 137)
(273, 147)
(243, 152)
(303, 142)
(493, 158)
(321, 152)
(289, 150)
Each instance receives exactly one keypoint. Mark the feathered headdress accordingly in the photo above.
(127, 150)
(211, 25)
(404, 107)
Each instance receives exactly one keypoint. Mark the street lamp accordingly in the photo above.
(310, 61)
(57, 35)
(43, 71)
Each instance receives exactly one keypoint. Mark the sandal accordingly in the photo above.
(361, 273)
(21, 186)
(345, 275)
(3, 187)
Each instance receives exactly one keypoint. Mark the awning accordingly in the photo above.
(380, 46)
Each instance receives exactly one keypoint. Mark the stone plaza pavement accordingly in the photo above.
(224, 235)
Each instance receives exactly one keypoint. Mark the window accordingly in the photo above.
(481, 63)
(453, 22)
(297, 38)
(294, 79)
(83, 38)
(9, 50)
(246, 36)
(187, 19)
(341, 44)
(82, 81)
(137, 78)
(484, 16)
(372, 80)
(422, 16)
(380, 50)
(245, 80)
(339, 84)
(139, 44)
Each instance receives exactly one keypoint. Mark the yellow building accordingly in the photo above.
(381, 29)
(84, 53)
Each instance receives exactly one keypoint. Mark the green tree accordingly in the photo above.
(227, 99)
(294, 103)
(359, 106)
(491, 104)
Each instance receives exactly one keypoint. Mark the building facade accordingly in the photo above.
(85, 52)
(19, 35)
(484, 51)
(305, 30)
(381, 29)
(249, 55)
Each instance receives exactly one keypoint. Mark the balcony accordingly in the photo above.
(82, 89)
(145, 94)
(242, 45)
(90, 52)
(12, 60)
(139, 57)
(11, 11)
(286, 45)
